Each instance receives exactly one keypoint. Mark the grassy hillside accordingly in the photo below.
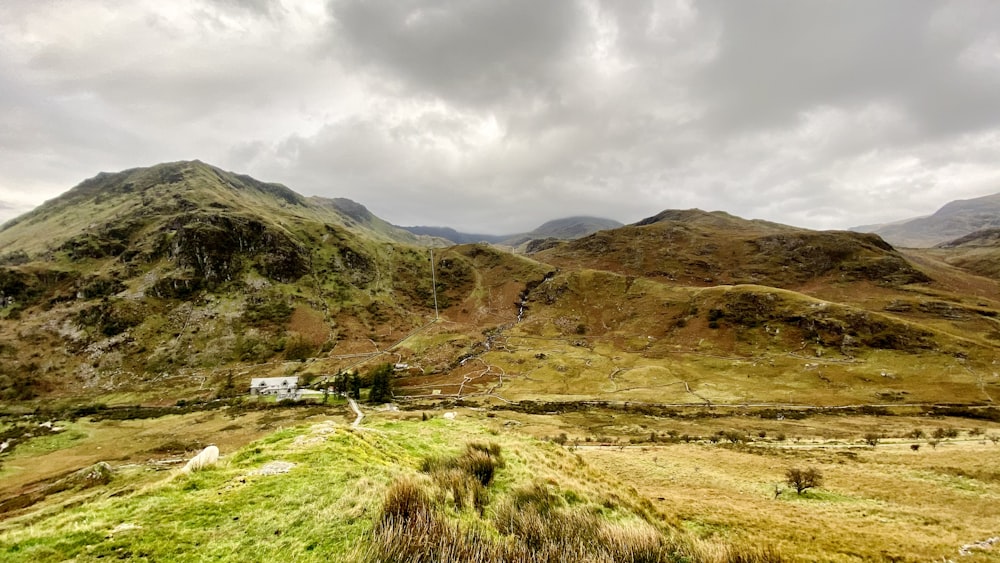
(323, 492)
(142, 196)
(597, 335)
(696, 248)
(168, 279)
(623, 486)
(977, 252)
(908, 498)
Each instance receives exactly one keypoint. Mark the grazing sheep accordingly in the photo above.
(207, 458)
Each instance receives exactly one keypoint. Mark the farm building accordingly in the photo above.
(280, 387)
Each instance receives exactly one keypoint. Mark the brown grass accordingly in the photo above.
(412, 529)
(875, 504)
(309, 323)
(529, 518)
(882, 504)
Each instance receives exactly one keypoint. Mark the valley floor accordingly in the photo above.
(716, 481)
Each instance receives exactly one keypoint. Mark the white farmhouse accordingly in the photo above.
(280, 387)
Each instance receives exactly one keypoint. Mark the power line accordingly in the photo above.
(434, 286)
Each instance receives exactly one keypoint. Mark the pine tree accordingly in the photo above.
(341, 383)
(381, 377)
(355, 386)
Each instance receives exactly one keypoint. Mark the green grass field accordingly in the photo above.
(313, 490)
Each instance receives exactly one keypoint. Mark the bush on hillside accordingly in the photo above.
(803, 479)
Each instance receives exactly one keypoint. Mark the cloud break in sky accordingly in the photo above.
(492, 116)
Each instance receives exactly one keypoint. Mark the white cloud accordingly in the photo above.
(496, 117)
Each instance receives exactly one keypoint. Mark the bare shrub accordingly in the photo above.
(942, 433)
(734, 436)
(802, 479)
(873, 438)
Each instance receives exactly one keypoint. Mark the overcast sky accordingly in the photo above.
(494, 116)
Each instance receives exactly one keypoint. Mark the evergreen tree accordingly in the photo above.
(355, 386)
(341, 383)
(381, 378)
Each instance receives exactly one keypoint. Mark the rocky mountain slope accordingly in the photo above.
(181, 269)
(954, 220)
(183, 281)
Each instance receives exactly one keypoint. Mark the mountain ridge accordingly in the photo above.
(708, 248)
(565, 228)
(953, 220)
(185, 271)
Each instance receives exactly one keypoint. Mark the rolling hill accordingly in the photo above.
(977, 252)
(701, 248)
(186, 274)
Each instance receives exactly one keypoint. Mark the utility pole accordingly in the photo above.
(434, 287)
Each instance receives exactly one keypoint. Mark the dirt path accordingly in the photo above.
(357, 411)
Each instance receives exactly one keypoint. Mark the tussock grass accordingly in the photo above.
(465, 477)
(406, 501)
(411, 529)
(530, 522)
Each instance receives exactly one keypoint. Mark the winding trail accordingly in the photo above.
(357, 411)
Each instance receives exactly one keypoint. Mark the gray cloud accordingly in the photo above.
(492, 116)
(464, 51)
(778, 57)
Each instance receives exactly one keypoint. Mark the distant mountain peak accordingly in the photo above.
(952, 221)
(708, 218)
(138, 195)
(567, 228)
(686, 216)
(573, 227)
(454, 236)
(576, 219)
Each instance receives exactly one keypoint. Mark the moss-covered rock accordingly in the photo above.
(220, 247)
